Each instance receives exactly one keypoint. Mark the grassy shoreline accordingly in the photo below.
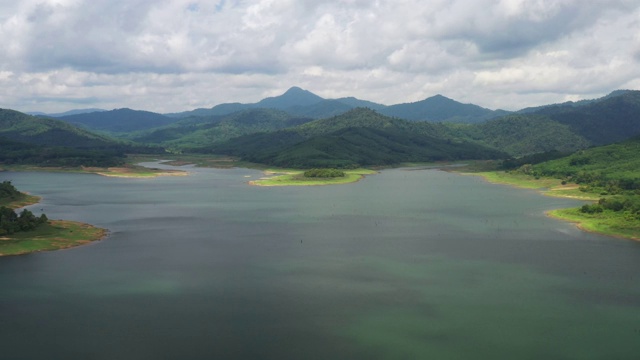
(608, 223)
(125, 171)
(296, 178)
(56, 235)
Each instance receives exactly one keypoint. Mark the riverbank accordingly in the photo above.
(55, 235)
(297, 178)
(125, 171)
(609, 223)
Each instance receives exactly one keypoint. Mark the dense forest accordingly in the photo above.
(10, 221)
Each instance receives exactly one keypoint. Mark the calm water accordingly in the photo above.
(402, 265)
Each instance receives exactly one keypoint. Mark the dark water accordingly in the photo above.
(402, 265)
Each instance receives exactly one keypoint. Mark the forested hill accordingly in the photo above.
(119, 120)
(359, 137)
(20, 127)
(26, 139)
(613, 167)
(612, 119)
(201, 131)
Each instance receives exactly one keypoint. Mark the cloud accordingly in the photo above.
(172, 55)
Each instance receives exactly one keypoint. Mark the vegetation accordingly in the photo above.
(55, 235)
(297, 178)
(11, 223)
(360, 137)
(324, 173)
(11, 198)
(119, 120)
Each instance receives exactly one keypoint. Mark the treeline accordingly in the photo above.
(629, 205)
(11, 223)
(8, 192)
(324, 173)
(12, 152)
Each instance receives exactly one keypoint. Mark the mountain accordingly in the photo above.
(566, 104)
(356, 103)
(526, 134)
(203, 131)
(24, 128)
(293, 97)
(66, 113)
(119, 120)
(299, 102)
(613, 167)
(605, 121)
(26, 139)
(440, 108)
(359, 137)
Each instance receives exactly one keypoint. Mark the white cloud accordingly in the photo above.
(172, 55)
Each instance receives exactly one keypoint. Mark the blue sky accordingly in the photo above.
(174, 55)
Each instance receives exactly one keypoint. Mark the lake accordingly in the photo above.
(405, 264)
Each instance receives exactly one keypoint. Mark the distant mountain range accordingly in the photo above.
(299, 102)
(285, 130)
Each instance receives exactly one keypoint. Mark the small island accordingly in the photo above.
(312, 177)
(24, 232)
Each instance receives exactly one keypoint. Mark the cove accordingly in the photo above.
(405, 264)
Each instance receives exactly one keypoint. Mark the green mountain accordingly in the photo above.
(26, 139)
(611, 119)
(612, 167)
(526, 134)
(561, 128)
(29, 129)
(119, 120)
(359, 137)
(204, 131)
(439, 108)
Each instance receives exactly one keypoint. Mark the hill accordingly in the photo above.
(28, 129)
(609, 120)
(359, 137)
(613, 167)
(26, 139)
(204, 131)
(300, 102)
(439, 108)
(119, 120)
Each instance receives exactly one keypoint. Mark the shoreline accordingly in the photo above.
(52, 236)
(288, 178)
(584, 223)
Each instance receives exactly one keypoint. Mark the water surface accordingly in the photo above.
(402, 265)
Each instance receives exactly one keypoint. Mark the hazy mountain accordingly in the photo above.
(573, 103)
(440, 108)
(301, 102)
(294, 97)
(355, 103)
(66, 113)
(119, 120)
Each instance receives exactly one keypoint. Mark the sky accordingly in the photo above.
(177, 55)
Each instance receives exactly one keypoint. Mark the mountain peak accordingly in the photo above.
(295, 96)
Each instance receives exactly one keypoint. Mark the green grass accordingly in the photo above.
(619, 224)
(56, 235)
(296, 178)
(548, 186)
(22, 201)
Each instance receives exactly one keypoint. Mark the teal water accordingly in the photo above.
(402, 265)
